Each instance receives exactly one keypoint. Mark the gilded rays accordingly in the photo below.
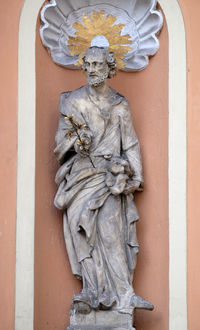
(98, 24)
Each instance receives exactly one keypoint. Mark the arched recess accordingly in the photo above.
(24, 301)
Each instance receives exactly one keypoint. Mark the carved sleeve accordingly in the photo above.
(129, 142)
(64, 144)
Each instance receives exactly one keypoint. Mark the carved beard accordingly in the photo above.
(96, 81)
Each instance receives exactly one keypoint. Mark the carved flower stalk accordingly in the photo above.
(76, 127)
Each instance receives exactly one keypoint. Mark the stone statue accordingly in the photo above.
(100, 170)
(99, 151)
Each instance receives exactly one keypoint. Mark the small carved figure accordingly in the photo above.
(100, 170)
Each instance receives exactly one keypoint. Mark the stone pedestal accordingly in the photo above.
(100, 320)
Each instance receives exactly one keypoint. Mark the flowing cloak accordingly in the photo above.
(99, 228)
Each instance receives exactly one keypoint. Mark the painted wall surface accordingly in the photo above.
(147, 92)
(54, 284)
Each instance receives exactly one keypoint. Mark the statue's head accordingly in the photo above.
(99, 65)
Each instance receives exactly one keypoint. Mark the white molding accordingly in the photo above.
(177, 166)
(24, 301)
(24, 296)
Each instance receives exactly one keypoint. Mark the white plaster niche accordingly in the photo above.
(24, 298)
(141, 20)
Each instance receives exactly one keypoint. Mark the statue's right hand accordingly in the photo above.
(83, 144)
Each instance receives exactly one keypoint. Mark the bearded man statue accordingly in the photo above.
(100, 170)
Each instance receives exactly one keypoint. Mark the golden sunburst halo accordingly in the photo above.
(98, 24)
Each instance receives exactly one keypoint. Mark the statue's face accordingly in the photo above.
(96, 68)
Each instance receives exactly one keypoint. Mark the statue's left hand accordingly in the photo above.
(131, 186)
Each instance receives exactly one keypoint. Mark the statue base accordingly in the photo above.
(100, 320)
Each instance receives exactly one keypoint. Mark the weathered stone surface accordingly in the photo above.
(101, 320)
(97, 328)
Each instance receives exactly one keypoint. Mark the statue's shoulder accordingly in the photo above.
(120, 100)
(71, 97)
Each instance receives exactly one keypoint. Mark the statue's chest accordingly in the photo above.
(99, 119)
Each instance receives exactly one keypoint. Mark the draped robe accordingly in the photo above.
(99, 227)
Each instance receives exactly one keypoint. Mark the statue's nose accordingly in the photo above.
(91, 69)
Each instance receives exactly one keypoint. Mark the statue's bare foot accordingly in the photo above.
(82, 307)
(82, 303)
(139, 302)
